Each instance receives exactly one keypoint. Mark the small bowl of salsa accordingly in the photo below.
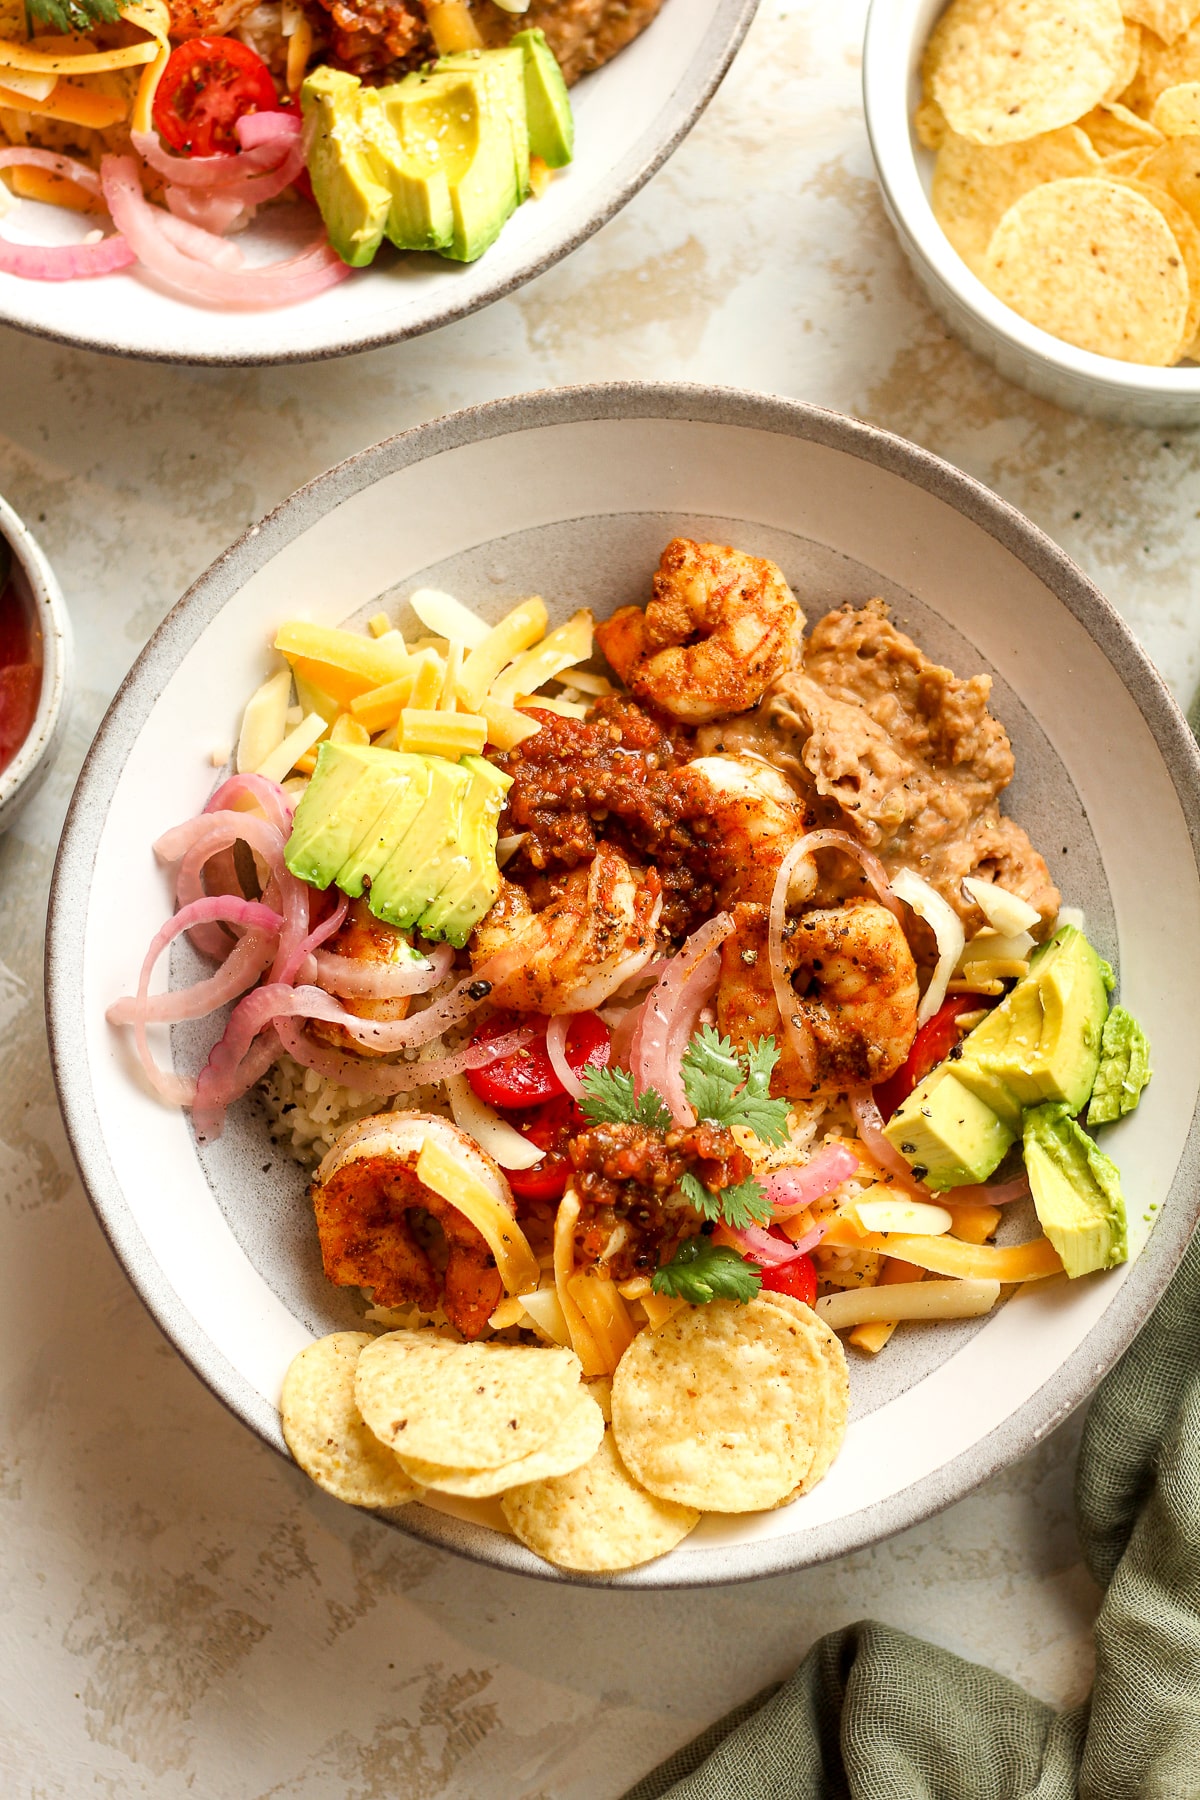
(34, 654)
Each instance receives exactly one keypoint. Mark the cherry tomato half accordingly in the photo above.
(526, 1078)
(549, 1127)
(206, 87)
(932, 1045)
(799, 1279)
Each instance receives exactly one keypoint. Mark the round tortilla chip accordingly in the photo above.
(929, 123)
(1168, 19)
(467, 1406)
(1002, 70)
(324, 1429)
(575, 1441)
(1176, 112)
(1112, 127)
(1187, 237)
(974, 185)
(1161, 66)
(598, 1518)
(1175, 168)
(837, 1397)
(1131, 56)
(720, 1408)
(1095, 263)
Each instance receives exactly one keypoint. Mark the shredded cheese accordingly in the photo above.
(458, 1184)
(908, 1300)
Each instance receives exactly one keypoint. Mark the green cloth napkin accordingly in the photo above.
(872, 1714)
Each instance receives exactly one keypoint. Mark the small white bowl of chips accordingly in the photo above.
(1040, 160)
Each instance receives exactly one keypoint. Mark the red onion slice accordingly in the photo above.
(179, 1090)
(220, 171)
(557, 1032)
(196, 242)
(355, 979)
(279, 284)
(61, 262)
(305, 951)
(386, 1079)
(767, 1251)
(869, 1121)
(249, 957)
(216, 212)
(276, 803)
(669, 1015)
(1003, 1193)
(810, 1240)
(23, 156)
(792, 1189)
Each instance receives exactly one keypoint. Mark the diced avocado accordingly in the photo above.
(452, 126)
(422, 862)
(547, 103)
(1077, 1191)
(350, 785)
(1042, 1043)
(353, 202)
(1124, 1068)
(476, 882)
(420, 216)
(383, 832)
(949, 1136)
(502, 73)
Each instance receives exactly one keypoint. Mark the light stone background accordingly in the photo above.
(181, 1613)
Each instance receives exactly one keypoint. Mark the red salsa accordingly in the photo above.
(20, 664)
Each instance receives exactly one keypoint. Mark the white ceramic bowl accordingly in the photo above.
(573, 495)
(1077, 379)
(41, 593)
(630, 115)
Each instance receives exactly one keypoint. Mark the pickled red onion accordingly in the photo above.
(215, 212)
(980, 1194)
(305, 952)
(769, 1252)
(276, 803)
(60, 262)
(869, 1121)
(790, 1190)
(255, 158)
(556, 1049)
(670, 1012)
(198, 243)
(354, 979)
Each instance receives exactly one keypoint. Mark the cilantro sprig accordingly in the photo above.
(737, 1207)
(701, 1271)
(733, 1087)
(73, 15)
(608, 1098)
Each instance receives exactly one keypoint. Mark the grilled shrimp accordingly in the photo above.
(595, 932)
(855, 984)
(748, 816)
(371, 940)
(719, 628)
(365, 1195)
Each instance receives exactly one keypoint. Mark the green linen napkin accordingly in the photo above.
(872, 1714)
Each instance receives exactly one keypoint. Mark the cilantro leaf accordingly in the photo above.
(745, 1204)
(730, 1087)
(608, 1098)
(701, 1271)
(73, 15)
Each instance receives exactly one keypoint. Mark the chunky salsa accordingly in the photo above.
(20, 664)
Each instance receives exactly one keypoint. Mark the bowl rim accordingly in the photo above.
(728, 27)
(54, 623)
(888, 45)
(1067, 1385)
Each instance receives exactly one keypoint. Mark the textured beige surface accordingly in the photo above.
(181, 1614)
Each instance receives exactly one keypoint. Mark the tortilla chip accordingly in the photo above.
(468, 1406)
(598, 1518)
(578, 1433)
(1126, 162)
(1131, 56)
(974, 185)
(1176, 112)
(929, 123)
(721, 1407)
(1162, 66)
(837, 1397)
(1168, 19)
(1112, 127)
(1094, 263)
(1003, 70)
(1186, 235)
(324, 1429)
(1175, 167)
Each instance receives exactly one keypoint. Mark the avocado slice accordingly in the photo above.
(475, 883)
(502, 74)
(948, 1134)
(354, 204)
(1124, 1068)
(454, 127)
(547, 103)
(350, 785)
(422, 862)
(1042, 1043)
(383, 832)
(1077, 1191)
(420, 214)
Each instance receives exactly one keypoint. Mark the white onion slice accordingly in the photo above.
(1005, 912)
(503, 1143)
(557, 1032)
(947, 928)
